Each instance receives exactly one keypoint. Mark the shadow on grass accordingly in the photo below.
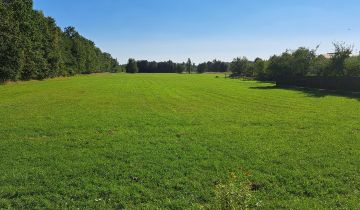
(311, 92)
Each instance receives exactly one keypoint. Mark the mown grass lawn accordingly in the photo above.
(166, 141)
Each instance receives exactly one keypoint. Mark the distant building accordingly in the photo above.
(331, 55)
(328, 55)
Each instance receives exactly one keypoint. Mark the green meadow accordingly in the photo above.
(169, 141)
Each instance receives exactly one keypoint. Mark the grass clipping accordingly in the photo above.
(236, 193)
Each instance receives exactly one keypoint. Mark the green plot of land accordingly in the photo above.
(168, 141)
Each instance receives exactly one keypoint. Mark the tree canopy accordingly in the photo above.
(32, 46)
(132, 67)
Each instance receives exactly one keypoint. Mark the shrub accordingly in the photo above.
(352, 66)
(319, 66)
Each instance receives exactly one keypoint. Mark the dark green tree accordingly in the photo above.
(280, 66)
(301, 61)
(290, 64)
(342, 52)
(132, 67)
(259, 68)
(189, 66)
(180, 68)
(352, 66)
(202, 68)
(11, 51)
(320, 66)
(32, 46)
(217, 66)
(239, 66)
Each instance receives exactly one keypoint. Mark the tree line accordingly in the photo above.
(144, 66)
(32, 46)
(300, 62)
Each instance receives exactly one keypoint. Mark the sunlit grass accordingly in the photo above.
(169, 141)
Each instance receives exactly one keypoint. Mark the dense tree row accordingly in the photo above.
(32, 46)
(144, 66)
(301, 62)
(213, 66)
(156, 67)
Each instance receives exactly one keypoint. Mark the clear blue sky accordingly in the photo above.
(207, 29)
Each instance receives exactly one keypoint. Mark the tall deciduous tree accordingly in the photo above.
(32, 46)
(132, 67)
(342, 52)
(11, 52)
(239, 66)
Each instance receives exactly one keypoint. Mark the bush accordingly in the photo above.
(319, 66)
(352, 66)
(296, 63)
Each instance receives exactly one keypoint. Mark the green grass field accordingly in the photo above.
(168, 141)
